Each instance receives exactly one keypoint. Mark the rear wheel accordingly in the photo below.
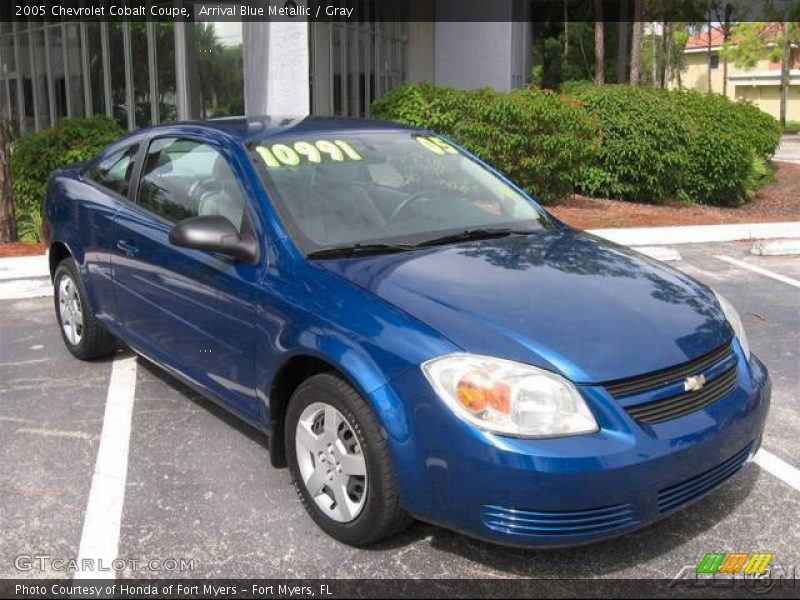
(340, 462)
(83, 335)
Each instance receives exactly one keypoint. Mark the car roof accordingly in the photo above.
(259, 128)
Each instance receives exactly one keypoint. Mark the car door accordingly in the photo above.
(192, 311)
(107, 185)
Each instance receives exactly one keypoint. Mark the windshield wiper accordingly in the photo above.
(473, 234)
(354, 249)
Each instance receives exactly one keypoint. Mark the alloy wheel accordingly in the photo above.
(331, 462)
(70, 310)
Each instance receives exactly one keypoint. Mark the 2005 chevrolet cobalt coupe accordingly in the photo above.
(415, 334)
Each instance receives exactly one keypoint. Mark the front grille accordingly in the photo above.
(665, 409)
(549, 523)
(675, 496)
(656, 379)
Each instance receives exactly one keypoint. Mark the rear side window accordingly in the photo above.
(115, 171)
(184, 178)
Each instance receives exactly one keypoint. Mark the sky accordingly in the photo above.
(229, 33)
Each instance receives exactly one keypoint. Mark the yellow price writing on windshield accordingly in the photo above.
(435, 144)
(285, 155)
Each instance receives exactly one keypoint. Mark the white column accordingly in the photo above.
(473, 55)
(276, 68)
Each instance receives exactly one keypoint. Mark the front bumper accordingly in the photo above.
(576, 489)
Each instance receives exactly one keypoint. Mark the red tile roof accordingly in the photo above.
(700, 40)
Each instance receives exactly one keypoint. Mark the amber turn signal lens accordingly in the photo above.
(477, 391)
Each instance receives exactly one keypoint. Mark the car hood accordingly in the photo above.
(565, 301)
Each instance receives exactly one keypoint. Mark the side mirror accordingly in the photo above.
(216, 234)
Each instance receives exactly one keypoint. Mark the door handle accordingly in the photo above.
(128, 247)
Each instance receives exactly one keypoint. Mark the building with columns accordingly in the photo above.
(143, 73)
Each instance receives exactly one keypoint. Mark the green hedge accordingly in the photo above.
(617, 141)
(36, 155)
(661, 144)
(538, 138)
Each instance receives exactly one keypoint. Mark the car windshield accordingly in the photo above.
(340, 190)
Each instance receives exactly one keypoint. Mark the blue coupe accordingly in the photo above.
(416, 336)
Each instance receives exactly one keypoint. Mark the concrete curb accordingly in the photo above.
(784, 247)
(24, 267)
(695, 234)
(23, 277)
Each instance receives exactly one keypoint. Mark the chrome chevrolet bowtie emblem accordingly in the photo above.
(694, 383)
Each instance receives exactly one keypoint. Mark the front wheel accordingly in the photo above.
(340, 462)
(83, 335)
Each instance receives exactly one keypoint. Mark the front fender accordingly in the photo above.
(307, 312)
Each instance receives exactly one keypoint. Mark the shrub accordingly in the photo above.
(36, 155)
(643, 140)
(729, 147)
(660, 144)
(538, 138)
(617, 141)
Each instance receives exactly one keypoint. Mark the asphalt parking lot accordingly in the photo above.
(199, 485)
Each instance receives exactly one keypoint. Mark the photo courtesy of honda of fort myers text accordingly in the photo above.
(401, 298)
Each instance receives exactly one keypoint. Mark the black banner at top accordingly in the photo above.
(399, 10)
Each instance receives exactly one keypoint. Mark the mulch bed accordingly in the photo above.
(778, 201)
(20, 249)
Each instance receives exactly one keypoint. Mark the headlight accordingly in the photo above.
(509, 397)
(735, 322)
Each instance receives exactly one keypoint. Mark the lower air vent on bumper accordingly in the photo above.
(677, 495)
(547, 523)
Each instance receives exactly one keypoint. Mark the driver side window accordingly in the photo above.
(184, 178)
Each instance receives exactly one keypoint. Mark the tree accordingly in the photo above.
(622, 44)
(636, 42)
(727, 13)
(8, 223)
(710, 54)
(754, 41)
(679, 35)
(599, 44)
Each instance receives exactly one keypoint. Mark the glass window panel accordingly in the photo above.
(165, 55)
(59, 80)
(141, 75)
(13, 107)
(372, 67)
(96, 75)
(42, 100)
(352, 72)
(7, 56)
(75, 70)
(117, 51)
(26, 119)
(220, 68)
(336, 49)
(363, 75)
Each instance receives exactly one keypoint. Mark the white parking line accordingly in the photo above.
(778, 467)
(755, 269)
(101, 524)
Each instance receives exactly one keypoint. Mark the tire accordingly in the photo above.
(83, 335)
(375, 513)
